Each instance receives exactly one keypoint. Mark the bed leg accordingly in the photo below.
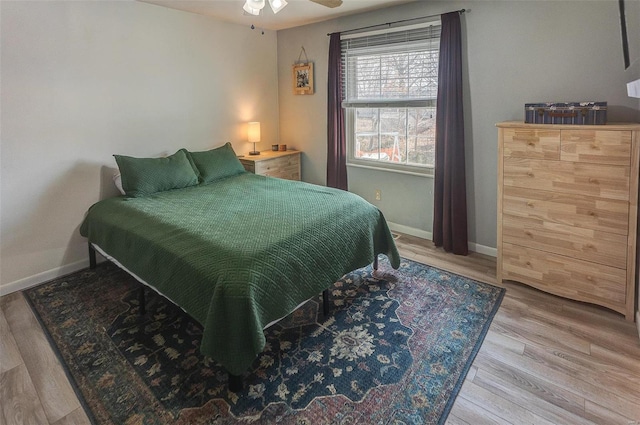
(142, 302)
(375, 262)
(325, 303)
(235, 383)
(92, 257)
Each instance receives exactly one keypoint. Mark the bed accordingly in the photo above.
(239, 251)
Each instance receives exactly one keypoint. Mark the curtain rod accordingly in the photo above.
(393, 22)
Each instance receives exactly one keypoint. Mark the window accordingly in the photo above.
(391, 85)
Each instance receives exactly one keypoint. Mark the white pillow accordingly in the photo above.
(117, 179)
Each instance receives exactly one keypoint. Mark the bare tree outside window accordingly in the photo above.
(391, 96)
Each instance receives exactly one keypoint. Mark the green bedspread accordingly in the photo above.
(241, 252)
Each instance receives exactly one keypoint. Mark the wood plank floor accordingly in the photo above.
(545, 360)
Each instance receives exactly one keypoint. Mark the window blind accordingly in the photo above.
(391, 68)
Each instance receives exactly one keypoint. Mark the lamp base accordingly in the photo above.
(254, 153)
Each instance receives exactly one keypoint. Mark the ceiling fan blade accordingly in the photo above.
(328, 3)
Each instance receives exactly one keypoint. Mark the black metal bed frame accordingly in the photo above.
(235, 381)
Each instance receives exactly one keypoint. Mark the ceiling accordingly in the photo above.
(296, 13)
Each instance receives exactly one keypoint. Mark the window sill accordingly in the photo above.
(427, 174)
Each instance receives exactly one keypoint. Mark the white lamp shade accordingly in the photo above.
(277, 5)
(254, 132)
(256, 4)
(253, 7)
(250, 10)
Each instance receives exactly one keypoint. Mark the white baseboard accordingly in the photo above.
(39, 278)
(418, 233)
(483, 249)
(480, 249)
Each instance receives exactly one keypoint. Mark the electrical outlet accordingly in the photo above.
(378, 194)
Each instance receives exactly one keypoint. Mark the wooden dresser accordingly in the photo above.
(281, 164)
(567, 210)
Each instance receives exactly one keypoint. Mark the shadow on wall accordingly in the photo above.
(76, 248)
(108, 187)
(619, 113)
(46, 234)
(77, 243)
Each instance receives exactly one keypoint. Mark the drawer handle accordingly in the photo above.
(530, 204)
(589, 278)
(594, 181)
(528, 233)
(531, 143)
(592, 214)
(595, 146)
(528, 263)
(530, 174)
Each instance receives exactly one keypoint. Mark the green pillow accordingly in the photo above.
(144, 176)
(217, 163)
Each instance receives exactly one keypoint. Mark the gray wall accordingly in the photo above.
(83, 80)
(515, 52)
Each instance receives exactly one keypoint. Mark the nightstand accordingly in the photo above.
(281, 164)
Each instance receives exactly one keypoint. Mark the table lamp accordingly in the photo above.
(254, 136)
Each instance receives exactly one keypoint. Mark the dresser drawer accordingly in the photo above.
(600, 180)
(280, 164)
(532, 143)
(583, 244)
(588, 212)
(277, 164)
(290, 173)
(597, 146)
(249, 166)
(566, 277)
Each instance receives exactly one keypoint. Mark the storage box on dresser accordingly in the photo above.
(281, 164)
(567, 210)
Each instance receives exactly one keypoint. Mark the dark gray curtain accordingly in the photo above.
(450, 194)
(337, 145)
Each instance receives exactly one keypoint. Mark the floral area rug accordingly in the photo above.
(395, 349)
